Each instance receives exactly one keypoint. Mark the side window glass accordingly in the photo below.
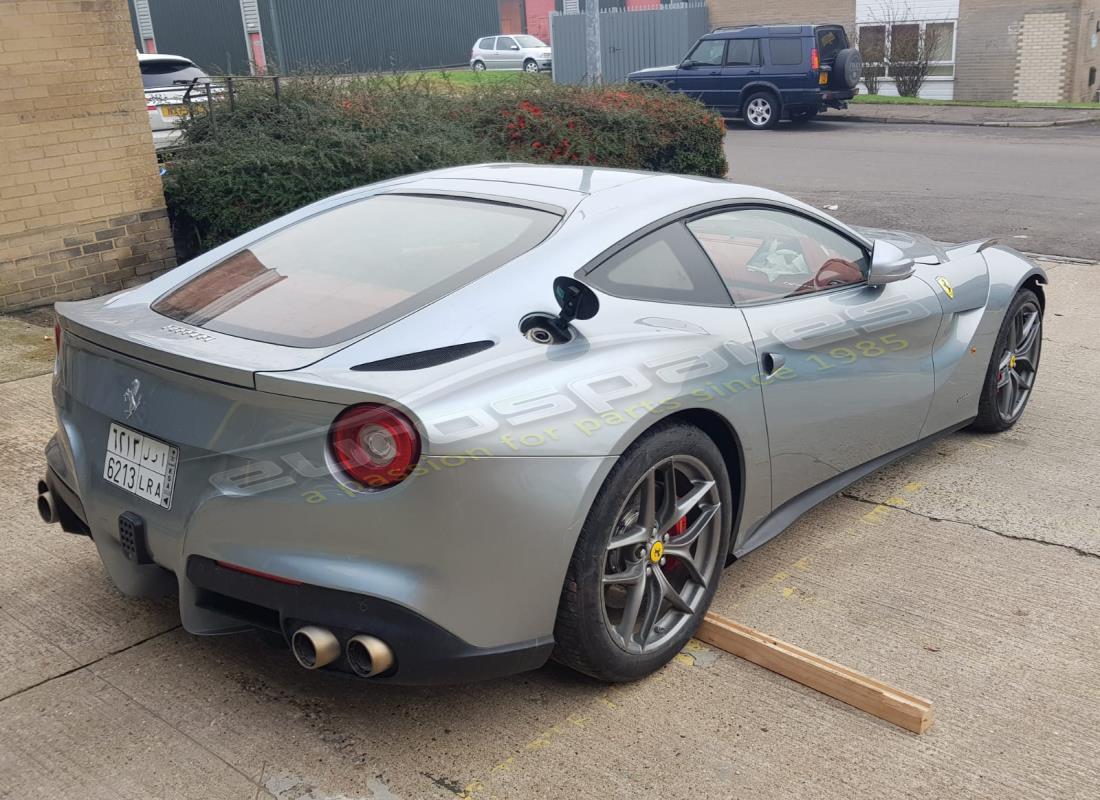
(505, 42)
(708, 52)
(743, 53)
(486, 43)
(666, 265)
(785, 51)
(766, 254)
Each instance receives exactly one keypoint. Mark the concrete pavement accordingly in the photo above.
(973, 116)
(966, 573)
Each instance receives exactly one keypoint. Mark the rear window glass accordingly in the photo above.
(162, 73)
(341, 273)
(830, 41)
(786, 51)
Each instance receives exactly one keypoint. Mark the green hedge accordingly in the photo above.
(267, 156)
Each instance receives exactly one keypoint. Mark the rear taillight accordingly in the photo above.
(374, 445)
(57, 336)
(815, 59)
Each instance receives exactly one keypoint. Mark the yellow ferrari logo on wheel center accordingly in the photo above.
(1012, 361)
(656, 551)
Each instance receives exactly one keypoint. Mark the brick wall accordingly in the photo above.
(988, 47)
(1088, 53)
(1043, 50)
(750, 12)
(81, 202)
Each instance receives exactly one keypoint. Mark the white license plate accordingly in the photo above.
(141, 465)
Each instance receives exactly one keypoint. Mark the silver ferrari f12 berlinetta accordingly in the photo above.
(448, 426)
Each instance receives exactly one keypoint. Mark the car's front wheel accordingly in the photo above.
(649, 557)
(1013, 365)
(761, 111)
(530, 67)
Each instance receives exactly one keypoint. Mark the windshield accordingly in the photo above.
(529, 41)
(343, 272)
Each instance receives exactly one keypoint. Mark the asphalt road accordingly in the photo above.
(966, 574)
(1037, 187)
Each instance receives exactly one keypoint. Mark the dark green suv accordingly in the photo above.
(764, 72)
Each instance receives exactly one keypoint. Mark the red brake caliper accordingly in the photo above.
(678, 528)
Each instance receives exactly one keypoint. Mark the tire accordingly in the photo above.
(531, 67)
(593, 611)
(761, 111)
(479, 66)
(847, 69)
(1013, 365)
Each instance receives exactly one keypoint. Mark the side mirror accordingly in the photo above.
(888, 264)
(687, 64)
(514, 47)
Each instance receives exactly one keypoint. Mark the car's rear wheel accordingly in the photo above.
(479, 66)
(761, 111)
(530, 67)
(648, 559)
(1013, 365)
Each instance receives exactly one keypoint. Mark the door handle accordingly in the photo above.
(753, 72)
(772, 363)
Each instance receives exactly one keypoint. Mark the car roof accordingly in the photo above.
(146, 57)
(631, 196)
(756, 31)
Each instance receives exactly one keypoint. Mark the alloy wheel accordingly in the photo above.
(1019, 362)
(662, 555)
(531, 67)
(758, 112)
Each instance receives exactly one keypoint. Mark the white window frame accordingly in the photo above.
(888, 33)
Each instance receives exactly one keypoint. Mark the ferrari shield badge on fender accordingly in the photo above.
(945, 284)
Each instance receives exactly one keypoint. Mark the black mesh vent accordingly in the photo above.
(424, 358)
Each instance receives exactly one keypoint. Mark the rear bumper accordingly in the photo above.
(425, 653)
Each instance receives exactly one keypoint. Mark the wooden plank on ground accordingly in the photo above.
(867, 694)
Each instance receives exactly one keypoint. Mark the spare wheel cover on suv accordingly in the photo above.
(847, 69)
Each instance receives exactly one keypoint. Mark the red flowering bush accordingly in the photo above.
(265, 156)
(625, 127)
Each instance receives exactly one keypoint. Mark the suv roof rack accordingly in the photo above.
(748, 25)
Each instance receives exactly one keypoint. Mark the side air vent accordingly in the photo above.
(424, 358)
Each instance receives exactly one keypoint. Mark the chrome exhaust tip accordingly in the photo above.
(314, 647)
(368, 656)
(47, 508)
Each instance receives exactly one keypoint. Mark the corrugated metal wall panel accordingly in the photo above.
(209, 32)
(630, 40)
(135, 26)
(370, 35)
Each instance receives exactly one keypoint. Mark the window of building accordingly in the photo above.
(785, 52)
(743, 53)
(903, 42)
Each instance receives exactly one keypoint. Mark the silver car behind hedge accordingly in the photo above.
(446, 426)
(515, 52)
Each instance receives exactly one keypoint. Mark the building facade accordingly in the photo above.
(1024, 50)
(81, 202)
